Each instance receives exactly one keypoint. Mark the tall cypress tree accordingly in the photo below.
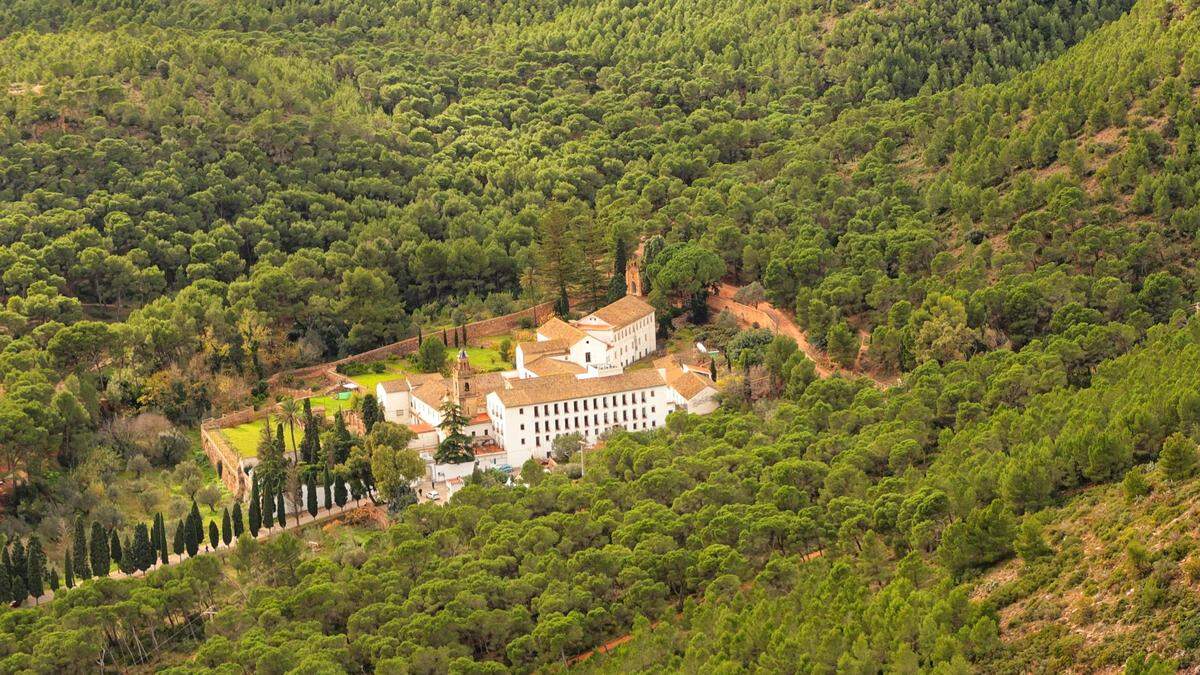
(328, 480)
(35, 576)
(68, 570)
(20, 564)
(255, 520)
(115, 550)
(53, 579)
(18, 591)
(179, 544)
(370, 412)
(143, 551)
(562, 306)
(99, 553)
(164, 550)
(310, 493)
(226, 527)
(197, 524)
(128, 564)
(339, 491)
(114, 547)
(281, 516)
(268, 508)
(6, 591)
(238, 523)
(191, 539)
(214, 537)
(79, 551)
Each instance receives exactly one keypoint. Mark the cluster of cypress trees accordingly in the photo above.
(23, 571)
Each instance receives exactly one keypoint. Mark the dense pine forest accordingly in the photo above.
(990, 207)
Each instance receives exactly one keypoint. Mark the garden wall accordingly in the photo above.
(477, 329)
(220, 454)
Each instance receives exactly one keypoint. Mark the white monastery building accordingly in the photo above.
(572, 378)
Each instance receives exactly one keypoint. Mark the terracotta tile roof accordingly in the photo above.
(394, 386)
(624, 311)
(417, 379)
(431, 393)
(529, 349)
(689, 384)
(557, 329)
(565, 387)
(485, 383)
(421, 427)
(546, 367)
(480, 418)
(489, 449)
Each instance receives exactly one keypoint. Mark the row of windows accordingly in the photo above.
(596, 403)
(549, 438)
(624, 416)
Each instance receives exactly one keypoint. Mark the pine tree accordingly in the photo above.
(238, 523)
(1178, 457)
(79, 551)
(214, 536)
(281, 516)
(143, 552)
(99, 557)
(68, 571)
(616, 286)
(226, 527)
(310, 493)
(179, 540)
(35, 575)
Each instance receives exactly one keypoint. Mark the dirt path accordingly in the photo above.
(765, 315)
(292, 524)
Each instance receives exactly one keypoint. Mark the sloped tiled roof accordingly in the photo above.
(431, 393)
(546, 367)
(624, 311)
(557, 329)
(565, 387)
(543, 347)
(394, 386)
(688, 383)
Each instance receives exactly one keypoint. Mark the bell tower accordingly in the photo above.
(463, 374)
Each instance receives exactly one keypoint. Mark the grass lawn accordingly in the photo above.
(485, 360)
(244, 437)
(394, 368)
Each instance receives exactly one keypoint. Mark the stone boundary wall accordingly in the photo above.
(477, 329)
(746, 313)
(220, 454)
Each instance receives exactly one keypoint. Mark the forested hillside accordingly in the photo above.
(994, 201)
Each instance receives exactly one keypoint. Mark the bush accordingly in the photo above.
(171, 448)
